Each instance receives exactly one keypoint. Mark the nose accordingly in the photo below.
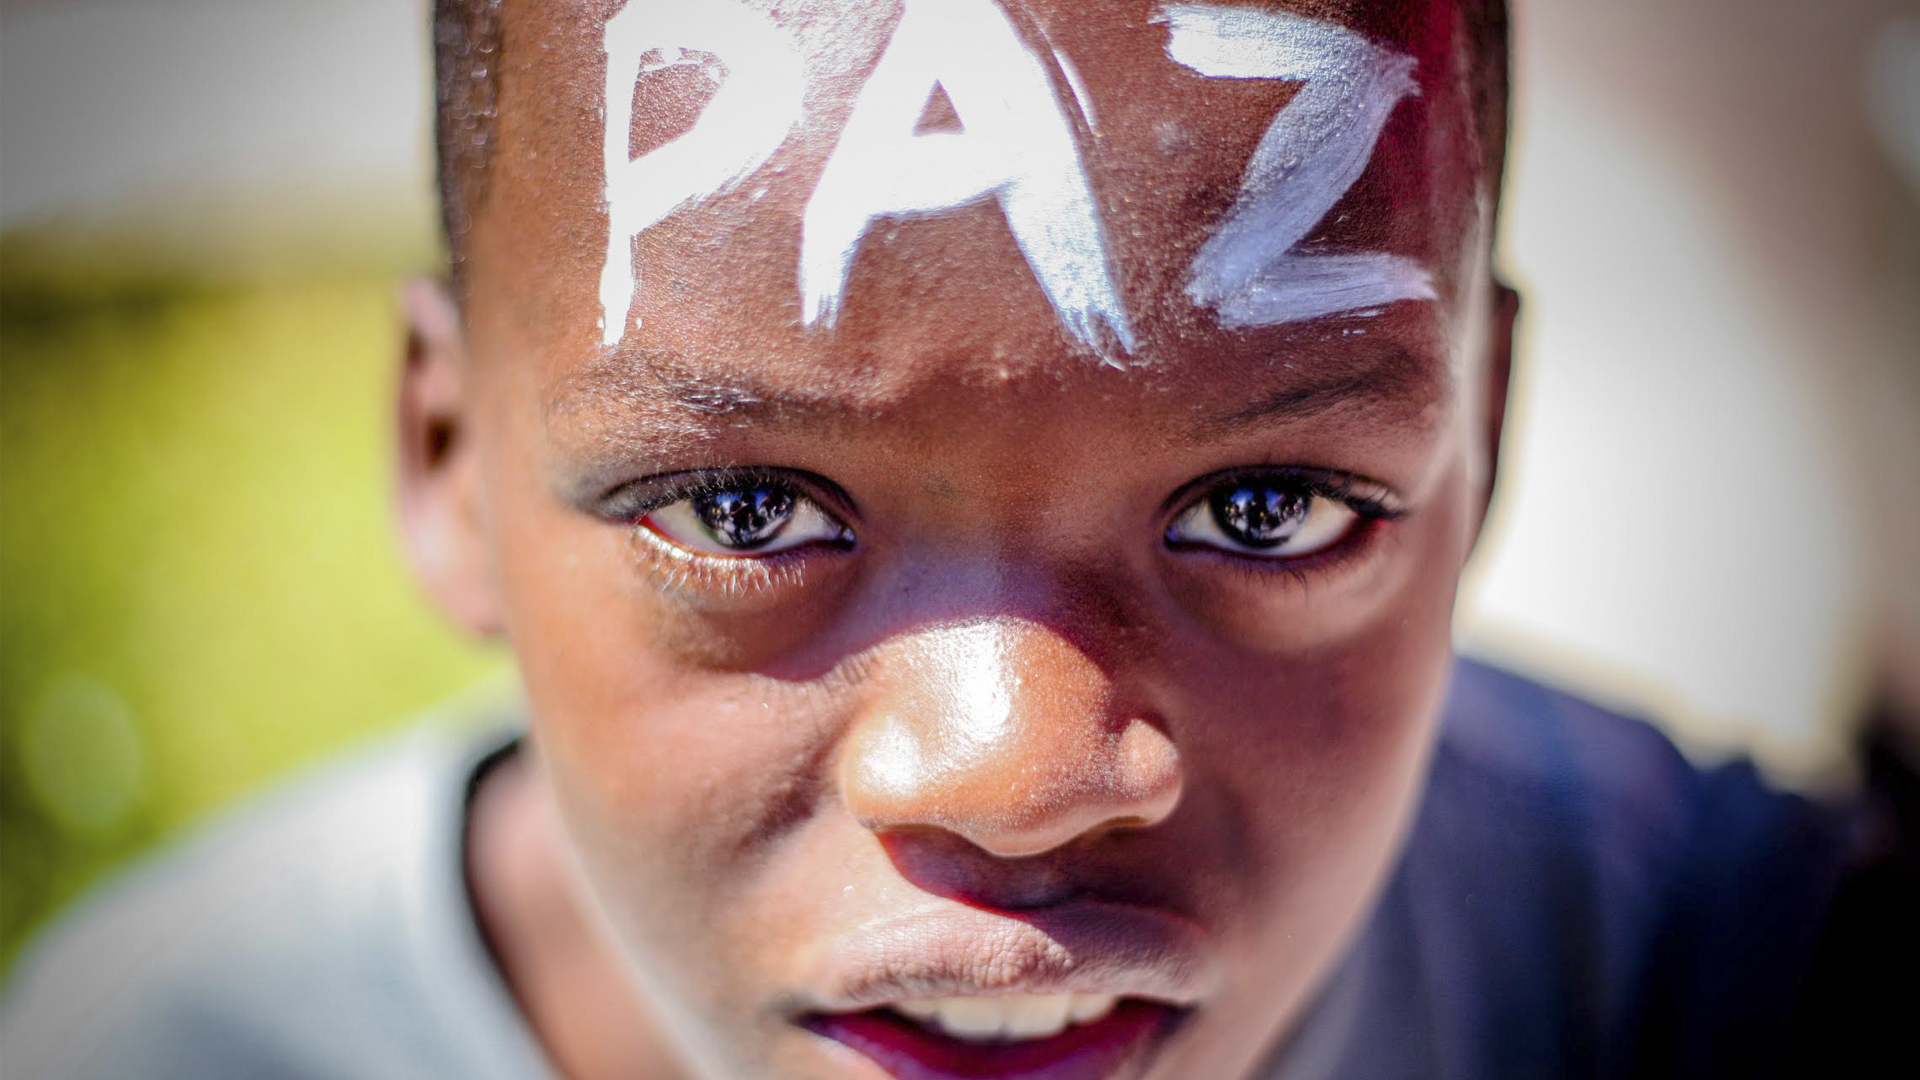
(1006, 734)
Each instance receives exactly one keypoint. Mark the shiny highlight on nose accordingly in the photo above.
(1006, 734)
(983, 683)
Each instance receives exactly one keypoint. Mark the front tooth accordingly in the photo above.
(1037, 1016)
(1012, 1016)
(919, 1010)
(970, 1017)
(1086, 1008)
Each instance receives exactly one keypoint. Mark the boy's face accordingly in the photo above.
(1044, 612)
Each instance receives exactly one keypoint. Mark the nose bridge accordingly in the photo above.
(1005, 733)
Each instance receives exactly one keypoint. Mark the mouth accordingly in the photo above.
(1063, 1036)
(1085, 990)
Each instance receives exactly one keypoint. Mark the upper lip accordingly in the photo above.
(1085, 945)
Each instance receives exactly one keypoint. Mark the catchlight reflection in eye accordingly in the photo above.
(1268, 518)
(756, 519)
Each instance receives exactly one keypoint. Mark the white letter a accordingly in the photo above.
(1017, 145)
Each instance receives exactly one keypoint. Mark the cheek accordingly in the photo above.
(1308, 767)
(674, 777)
(1314, 748)
(662, 765)
(685, 795)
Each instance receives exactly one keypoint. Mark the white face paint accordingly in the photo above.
(1079, 87)
(1018, 146)
(1249, 271)
(749, 116)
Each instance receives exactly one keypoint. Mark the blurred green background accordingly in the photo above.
(199, 586)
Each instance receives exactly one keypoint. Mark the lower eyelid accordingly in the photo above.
(674, 569)
(1359, 537)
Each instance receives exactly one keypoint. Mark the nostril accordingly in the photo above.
(946, 864)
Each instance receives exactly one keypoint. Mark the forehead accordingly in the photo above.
(833, 187)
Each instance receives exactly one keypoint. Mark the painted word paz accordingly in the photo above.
(1018, 145)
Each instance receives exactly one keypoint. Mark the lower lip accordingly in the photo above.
(908, 1051)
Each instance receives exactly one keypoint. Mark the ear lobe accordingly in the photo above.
(438, 485)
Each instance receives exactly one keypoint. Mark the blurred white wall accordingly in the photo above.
(1716, 243)
(1692, 214)
(200, 125)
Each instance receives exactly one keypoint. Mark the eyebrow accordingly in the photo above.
(642, 385)
(657, 396)
(1397, 378)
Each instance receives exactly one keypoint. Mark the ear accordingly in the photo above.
(1499, 361)
(439, 484)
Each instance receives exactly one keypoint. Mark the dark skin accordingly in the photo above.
(1003, 706)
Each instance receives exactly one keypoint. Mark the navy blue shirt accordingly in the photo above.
(1577, 900)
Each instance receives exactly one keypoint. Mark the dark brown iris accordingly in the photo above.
(745, 518)
(1259, 515)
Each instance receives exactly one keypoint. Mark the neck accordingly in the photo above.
(557, 961)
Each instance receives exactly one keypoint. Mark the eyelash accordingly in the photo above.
(677, 569)
(633, 501)
(1374, 503)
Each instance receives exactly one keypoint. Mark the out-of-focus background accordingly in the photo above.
(1712, 491)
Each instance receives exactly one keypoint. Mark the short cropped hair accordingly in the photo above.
(468, 50)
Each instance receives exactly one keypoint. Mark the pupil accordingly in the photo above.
(1259, 515)
(745, 518)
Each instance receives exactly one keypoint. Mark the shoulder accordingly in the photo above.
(253, 947)
(1623, 904)
(1523, 745)
(1611, 791)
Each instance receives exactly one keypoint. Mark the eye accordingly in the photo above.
(1269, 517)
(744, 518)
